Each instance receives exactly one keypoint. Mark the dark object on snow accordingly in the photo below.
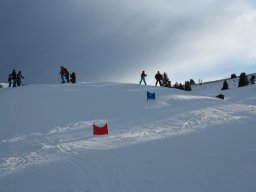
(220, 96)
(73, 77)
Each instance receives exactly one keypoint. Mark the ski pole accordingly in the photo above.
(24, 82)
(152, 82)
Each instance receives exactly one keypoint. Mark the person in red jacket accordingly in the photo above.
(62, 74)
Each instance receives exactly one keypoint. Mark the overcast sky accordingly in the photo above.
(114, 40)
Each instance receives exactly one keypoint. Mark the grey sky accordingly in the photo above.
(112, 40)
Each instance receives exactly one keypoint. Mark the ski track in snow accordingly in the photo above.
(62, 142)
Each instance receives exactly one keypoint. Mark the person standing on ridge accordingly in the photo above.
(19, 77)
(10, 80)
(73, 77)
(14, 78)
(159, 78)
(67, 75)
(62, 74)
(143, 75)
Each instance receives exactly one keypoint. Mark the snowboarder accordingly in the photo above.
(143, 75)
(62, 74)
(73, 77)
(19, 77)
(159, 78)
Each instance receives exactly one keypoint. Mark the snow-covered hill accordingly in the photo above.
(183, 141)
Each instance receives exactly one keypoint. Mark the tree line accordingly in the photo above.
(244, 80)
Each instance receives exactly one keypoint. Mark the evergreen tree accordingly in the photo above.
(166, 82)
(181, 87)
(243, 81)
(252, 79)
(233, 76)
(225, 85)
(176, 85)
(192, 82)
(188, 86)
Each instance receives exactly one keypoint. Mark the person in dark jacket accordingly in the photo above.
(19, 77)
(10, 80)
(14, 78)
(67, 75)
(159, 78)
(143, 75)
(73, 77)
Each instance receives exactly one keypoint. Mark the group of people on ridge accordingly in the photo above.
(158, 78)
(14, 78)
(64, 74)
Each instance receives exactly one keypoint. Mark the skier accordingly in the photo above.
(62, 74)
(10, 80)
(14, 77)
(73, 77)
(143, 75)
(67, 75)
(159, 78)
(19, 77)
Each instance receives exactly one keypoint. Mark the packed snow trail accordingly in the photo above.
(21, 152)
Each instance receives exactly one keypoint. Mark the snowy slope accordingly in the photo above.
(183, 141)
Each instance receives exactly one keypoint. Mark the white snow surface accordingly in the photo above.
(183, 141)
